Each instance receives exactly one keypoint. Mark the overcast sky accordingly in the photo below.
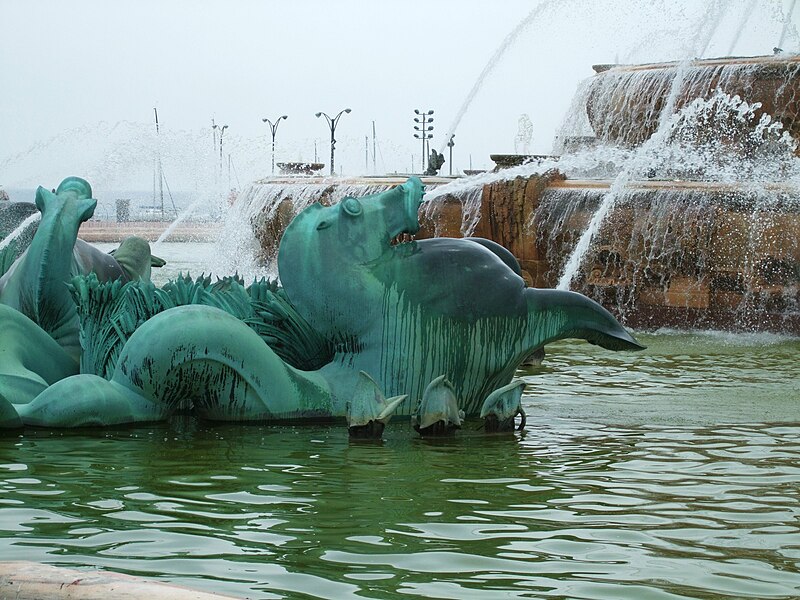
(80, 78)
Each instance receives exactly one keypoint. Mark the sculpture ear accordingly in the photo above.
(86, 208)
(40, 194)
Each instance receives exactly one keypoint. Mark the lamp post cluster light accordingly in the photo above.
(423, 128)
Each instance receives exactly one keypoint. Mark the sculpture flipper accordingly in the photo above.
(368, 411)
(502, 406)
(556, 314)
(438, 413)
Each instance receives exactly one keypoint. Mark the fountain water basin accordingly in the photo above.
(675, 200)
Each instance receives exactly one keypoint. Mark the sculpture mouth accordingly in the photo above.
(404, 233)
(412, 215)
(401, 238)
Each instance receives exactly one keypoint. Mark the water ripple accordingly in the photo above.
(668, 490)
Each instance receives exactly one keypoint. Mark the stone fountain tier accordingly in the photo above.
(112, 231)
(365, 180)
(624, 102)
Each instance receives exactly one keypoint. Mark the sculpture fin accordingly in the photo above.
(502, 406)
(369, 404)
(368, 411)
(439, 407)
(391, 406)
(366, 403)
(504, 402)
(556, 314)
(502, 253)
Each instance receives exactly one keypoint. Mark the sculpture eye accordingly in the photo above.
(352, 207)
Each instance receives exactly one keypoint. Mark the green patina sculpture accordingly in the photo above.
(35, 284)
(435, 162)
(410, 312)
(361, 329)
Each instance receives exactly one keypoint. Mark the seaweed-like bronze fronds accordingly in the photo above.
(110, 312)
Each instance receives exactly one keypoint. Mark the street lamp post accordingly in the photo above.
(332, 124)
(450, 145)
(274, 128)
(222, 129)
(423, 128)
(221, 133)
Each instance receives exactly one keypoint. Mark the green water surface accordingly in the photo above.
(671, 473)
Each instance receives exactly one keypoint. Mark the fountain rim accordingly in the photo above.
(712, 186)
(358, 180)
(768, 59)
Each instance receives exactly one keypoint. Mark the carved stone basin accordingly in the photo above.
(625, 101)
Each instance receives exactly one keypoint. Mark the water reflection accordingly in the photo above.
(648, 477)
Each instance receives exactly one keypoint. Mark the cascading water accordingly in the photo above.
(635, 167)
(19, 230)
(469, 198)
(624, 105)
(18, 223)
(691, 219)
(727, 231)
(186, 213)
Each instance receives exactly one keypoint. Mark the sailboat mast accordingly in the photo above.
(155, 174)
(160, 170)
